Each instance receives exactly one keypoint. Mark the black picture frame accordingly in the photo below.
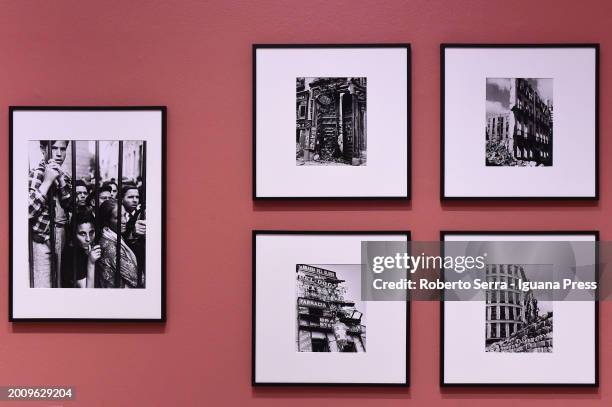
(595, 384)
(443, 48)
(407, 47)
(260, 232)
(163, 165)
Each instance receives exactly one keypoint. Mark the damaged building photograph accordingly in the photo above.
(519, 122)
(331, 123)
(330, 315)
(516, 322)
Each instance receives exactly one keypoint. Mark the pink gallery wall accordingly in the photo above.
(195, 57)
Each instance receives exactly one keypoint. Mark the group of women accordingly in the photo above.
(91, 260)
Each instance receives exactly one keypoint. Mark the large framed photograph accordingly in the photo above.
(310, 324)
(87, 213)
(346, 107)
(516, 334)
(519, 121)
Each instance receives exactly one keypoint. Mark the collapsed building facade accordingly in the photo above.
(331, 120)
(527, 130)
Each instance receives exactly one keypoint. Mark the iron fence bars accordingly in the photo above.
(143, 197)
(119, 213)
(30, 243)
(51, 199)
(73, 223)
(97, 188)
(96, 206)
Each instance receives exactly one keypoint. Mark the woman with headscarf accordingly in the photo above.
(107, 265)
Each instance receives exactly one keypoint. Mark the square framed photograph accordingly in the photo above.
(309, 322)
(87, 213)
(519, 121)
(346, 107)
(513, 336)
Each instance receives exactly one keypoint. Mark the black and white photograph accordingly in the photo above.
(513, 332)
(519, 127)
(91, 226)
(87, 213)
(331, 317)
(310, 318)
(516, 322)
(519, 121)
(344, 110)
(331, 121)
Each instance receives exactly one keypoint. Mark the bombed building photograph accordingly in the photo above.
(331, 122)
(516, 322)
(330, 315)
(519, 122)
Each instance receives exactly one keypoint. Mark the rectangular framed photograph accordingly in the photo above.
(348, 115)
(512, 336)
(519, 121)
(310, 325)
(87, 213)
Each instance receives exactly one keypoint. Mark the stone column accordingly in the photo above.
(356, 156)
(309, 154)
